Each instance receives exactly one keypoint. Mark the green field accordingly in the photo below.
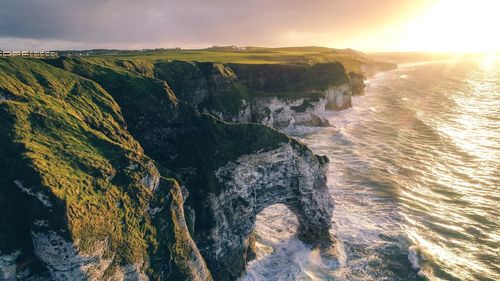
(351, 59)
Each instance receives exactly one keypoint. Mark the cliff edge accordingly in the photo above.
(111, 176)
(123, 168)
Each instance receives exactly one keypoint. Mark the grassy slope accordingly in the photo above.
(64, 136)
(71, 133)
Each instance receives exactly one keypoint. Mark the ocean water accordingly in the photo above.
(415, 176)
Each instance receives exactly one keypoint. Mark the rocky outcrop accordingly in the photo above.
(201, 151)
(357, 83)
(77, 190)
(290, 95)
(186, 261)
(281, 113)
(63, 259)
(8, 266)
(338, 97)
(275, 95)
(286, 175)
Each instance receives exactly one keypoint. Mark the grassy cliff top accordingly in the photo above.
(352, 60)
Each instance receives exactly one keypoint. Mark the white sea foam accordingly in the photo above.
(423, 164)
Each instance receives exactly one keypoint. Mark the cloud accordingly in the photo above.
(186, 22)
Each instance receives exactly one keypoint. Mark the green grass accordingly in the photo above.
(351, 59)
(71, 144)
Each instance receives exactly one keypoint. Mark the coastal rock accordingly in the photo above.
(357, 83)
(292, 95)
(287, 175)
(338, 97)
(63, 260)
(276, 95)
(323, 159)
(185, 260)
(8, 266)
(281, 113)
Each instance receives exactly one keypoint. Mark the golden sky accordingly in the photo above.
(442, 25)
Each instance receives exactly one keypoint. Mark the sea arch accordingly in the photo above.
(287, 175)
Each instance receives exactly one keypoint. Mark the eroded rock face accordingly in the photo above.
(338, 97)
(281, 113)
(357, 83)
(8, 266)
(286, 175)
(278, 95)
(184, 262)
(63, 260)
(239, 92)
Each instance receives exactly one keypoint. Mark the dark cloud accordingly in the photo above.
(191, 22)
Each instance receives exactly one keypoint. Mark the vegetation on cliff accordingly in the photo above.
(351, 59)
(117, 157)
(72, 168)
(226, 90)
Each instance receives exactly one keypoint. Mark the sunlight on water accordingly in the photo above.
(415, 175)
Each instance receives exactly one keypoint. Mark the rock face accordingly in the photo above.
(357, 83)
(271, 94)
(281, 113)
(288, 175)
(338, 97)
(63, 259)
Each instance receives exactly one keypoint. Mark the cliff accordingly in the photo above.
(276, 95)
(79, 196)
(138, 169)
(111, 176)
(278, 87)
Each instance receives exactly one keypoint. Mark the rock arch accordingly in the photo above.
(289, 175)
(279, 220)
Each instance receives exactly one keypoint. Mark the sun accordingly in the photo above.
(455, 26)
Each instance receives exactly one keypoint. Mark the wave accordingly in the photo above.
(414, 174)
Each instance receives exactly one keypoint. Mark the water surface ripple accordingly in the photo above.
(415, 177)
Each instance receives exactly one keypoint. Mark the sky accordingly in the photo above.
(367, 25)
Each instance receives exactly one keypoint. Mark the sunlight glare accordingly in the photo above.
(455, 26)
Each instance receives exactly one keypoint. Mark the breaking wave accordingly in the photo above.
(415, 176)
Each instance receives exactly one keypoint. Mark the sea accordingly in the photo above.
(415, 177)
